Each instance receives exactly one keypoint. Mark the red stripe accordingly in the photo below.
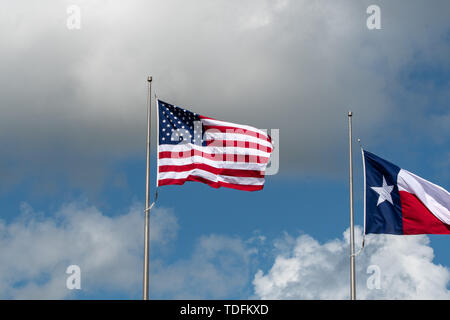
(229, 129)
(213, 156)
(218, 184)
(417, 219)
(217, 171)
(238, 144)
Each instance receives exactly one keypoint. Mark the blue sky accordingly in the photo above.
(72, 173)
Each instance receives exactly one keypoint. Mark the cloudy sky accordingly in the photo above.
(72, 145)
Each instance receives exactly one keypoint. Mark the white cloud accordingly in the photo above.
(307, 269)
(37, 249)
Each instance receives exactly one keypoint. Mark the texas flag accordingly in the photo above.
(399, 202)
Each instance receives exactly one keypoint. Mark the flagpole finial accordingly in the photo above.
(149, 79)
(350, 113)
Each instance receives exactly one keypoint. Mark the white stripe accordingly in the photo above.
(213, 122)
(217, 135)
(212, 163)
(212, 149)
(211, 177)
(434, 197)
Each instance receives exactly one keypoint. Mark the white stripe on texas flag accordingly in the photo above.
(425, 205)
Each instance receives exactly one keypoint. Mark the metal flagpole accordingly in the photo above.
(352, 231)
(147, 193)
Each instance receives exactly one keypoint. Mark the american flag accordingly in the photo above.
(192, 147)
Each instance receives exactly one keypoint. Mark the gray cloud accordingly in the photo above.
(73, 102)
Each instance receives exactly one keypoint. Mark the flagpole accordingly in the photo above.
(352, 231)
(147, 193)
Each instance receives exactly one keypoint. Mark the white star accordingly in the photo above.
(385, 192)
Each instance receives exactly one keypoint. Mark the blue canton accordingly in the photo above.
(179, 126)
